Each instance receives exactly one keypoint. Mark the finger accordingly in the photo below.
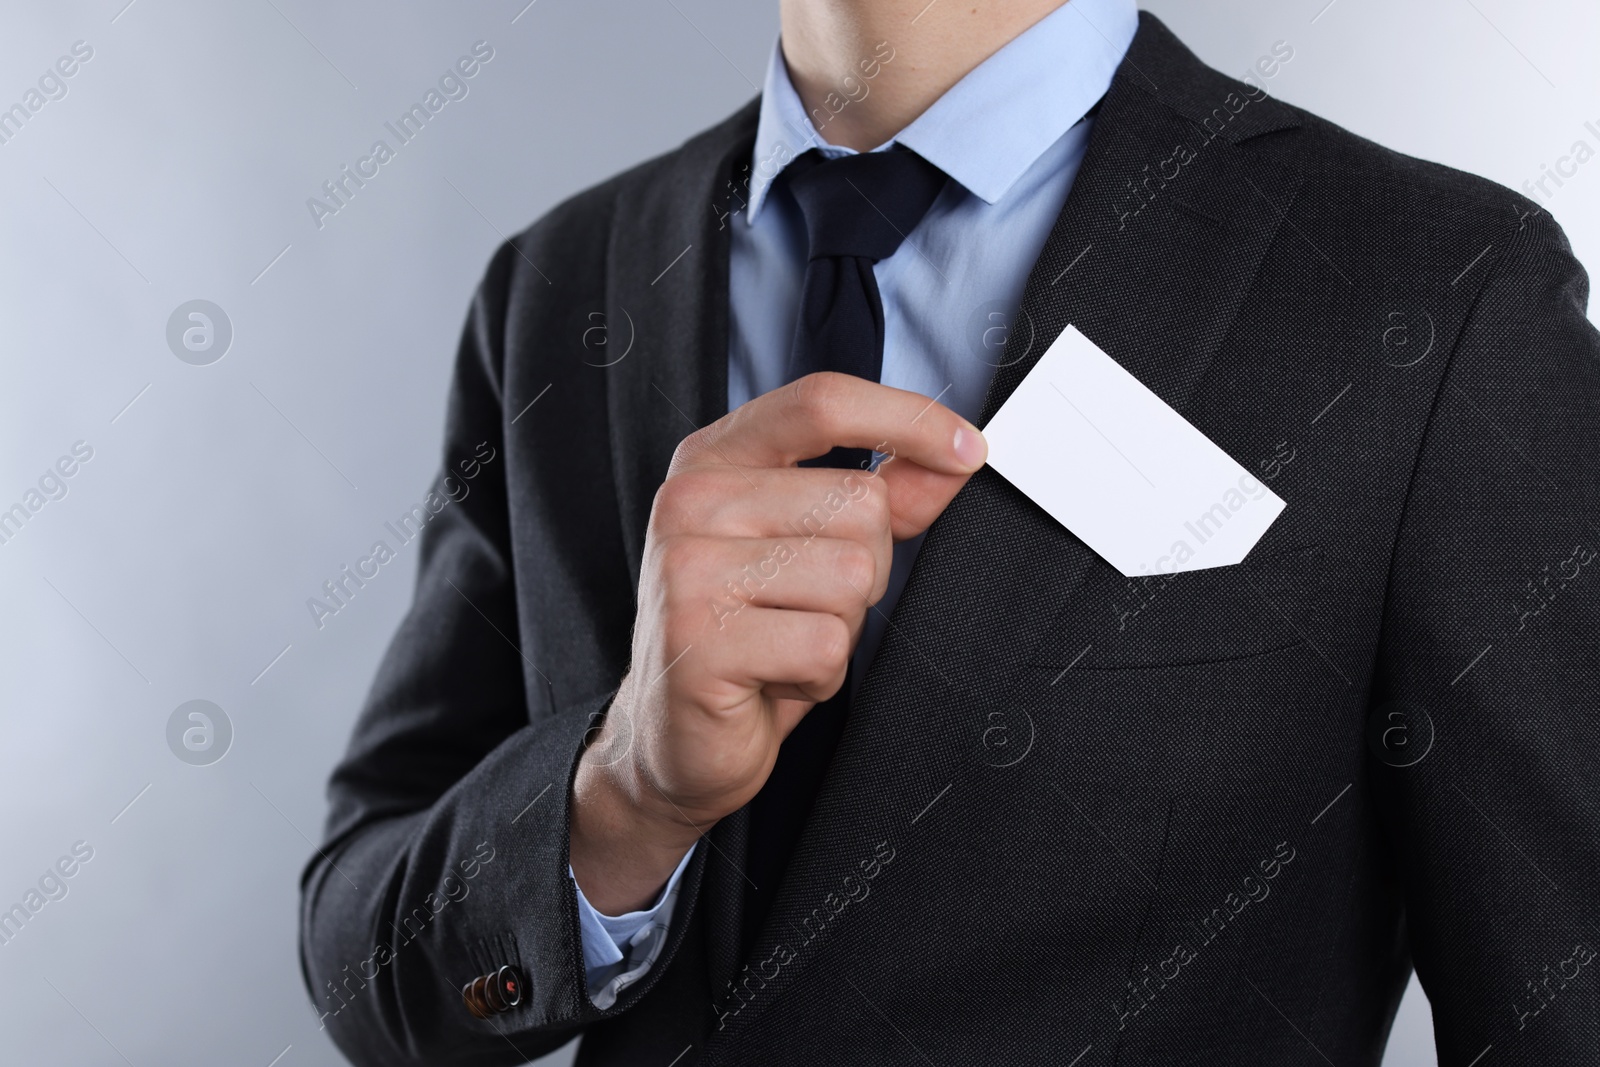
(837, 575)
(819, 412)
(802, 654)
(785, 502)
(917, 495)
(718, 497)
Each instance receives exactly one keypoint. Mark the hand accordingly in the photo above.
(757, 576)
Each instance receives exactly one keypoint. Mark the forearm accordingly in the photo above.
(400, 912)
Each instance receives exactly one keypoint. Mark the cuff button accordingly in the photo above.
(508, 986)
(491, 994)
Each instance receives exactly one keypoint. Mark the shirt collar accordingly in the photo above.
(991, 126)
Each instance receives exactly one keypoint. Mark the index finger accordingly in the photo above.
(827, 410)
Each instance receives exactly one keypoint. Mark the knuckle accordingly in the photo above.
(688, 448)
(875, 503)
(858, 565)
(831, 644)
(666, 511)
(820, 396)
(680, 501)
(676, 556)
(700, 446)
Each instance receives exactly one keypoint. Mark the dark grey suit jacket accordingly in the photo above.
(1213, 818)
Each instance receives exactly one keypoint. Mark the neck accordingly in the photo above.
(866, 68)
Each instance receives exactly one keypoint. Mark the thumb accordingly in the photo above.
(917, 495)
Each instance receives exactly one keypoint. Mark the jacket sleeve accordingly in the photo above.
(445, 856)
(1489, 656)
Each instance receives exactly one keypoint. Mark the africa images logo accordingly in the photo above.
(52, 85)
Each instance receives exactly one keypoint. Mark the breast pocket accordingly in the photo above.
(1113, 622)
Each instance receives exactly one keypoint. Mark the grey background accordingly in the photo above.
(178, 565)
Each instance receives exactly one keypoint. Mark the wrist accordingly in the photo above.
(623, 848)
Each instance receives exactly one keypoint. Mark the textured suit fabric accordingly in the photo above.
(1156, 821)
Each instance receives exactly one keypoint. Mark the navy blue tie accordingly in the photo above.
(858, 209)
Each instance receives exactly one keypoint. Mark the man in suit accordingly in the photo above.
(745, 716)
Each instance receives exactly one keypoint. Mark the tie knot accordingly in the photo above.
(863, 205)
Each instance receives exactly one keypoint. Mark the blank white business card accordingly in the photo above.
(1113, 463)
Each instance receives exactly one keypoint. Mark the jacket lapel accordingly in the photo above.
(666, 307)
(1153, 271)
(1156, 247)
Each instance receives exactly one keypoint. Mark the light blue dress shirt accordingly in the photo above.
(1011, 135)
